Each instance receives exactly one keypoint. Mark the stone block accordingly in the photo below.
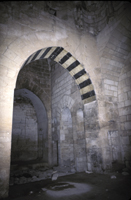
(128, 103)
(115, 94)
(129, 74)
(129, 94)
(128, 125)
(121, 104)
(128, 117)
(122, 118)
(113, 88)
(125, 140)
(122, 51)
(81, 166)
(112, 133)
(122, 97)
(10, 54)
(110, 82)
(122, 84)
(122, 126)
(124, 111)
(128, 81)
(109, 92)
(89, 166)
(114, 141)
(123, 76)
(54, 176)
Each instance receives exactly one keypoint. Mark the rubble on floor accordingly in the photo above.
(31, 175)
(24, 175)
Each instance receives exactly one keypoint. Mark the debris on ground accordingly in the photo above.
(113, 177)
(31, 192)
(88, 172)
(44, 189)
(32, 175)
(54, 176)
(125, 173)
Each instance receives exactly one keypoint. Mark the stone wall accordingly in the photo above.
(124, 99)
(67, 137)
(113, 44)
(24, 131)
(98, 36)
(93, 142)
(42, 121)
(36, 78)
(66, 145)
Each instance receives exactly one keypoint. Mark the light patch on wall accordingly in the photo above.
(59, 35)
(80, 115)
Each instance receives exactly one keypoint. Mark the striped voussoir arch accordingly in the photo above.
(76, 70)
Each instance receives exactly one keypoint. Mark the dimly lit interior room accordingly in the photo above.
(65, 100)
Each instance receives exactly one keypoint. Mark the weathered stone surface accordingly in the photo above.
(73, 170)
(54, 176)
(97, 34)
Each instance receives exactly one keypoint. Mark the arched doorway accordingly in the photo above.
(29, 132)
(24, 131)
(63, 58)
(76, 70)
(37, 71)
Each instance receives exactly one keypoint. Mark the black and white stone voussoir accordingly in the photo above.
(76, 70)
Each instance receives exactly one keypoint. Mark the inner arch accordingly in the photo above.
(41, 119)
(76, 70)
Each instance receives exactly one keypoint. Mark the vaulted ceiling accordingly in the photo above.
(89, 15)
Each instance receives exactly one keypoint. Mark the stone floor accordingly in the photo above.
(78, 186)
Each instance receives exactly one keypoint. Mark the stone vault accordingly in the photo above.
(75, 57)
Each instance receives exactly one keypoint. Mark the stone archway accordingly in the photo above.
(24, 145)
(65, 123)
(23, 32)
(42, 121)
(76, 70)
(65, 108)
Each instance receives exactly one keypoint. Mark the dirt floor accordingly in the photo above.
(79, 186)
